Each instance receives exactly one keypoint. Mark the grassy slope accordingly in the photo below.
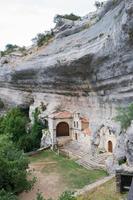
(73, 175)
(104, 192)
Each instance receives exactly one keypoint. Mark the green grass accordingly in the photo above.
(104, 192)
(73, 175)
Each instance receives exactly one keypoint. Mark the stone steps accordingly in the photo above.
(89, 164)
(93, 162)
(83, 157)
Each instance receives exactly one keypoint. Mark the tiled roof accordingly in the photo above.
(87, 131)
(61, 115)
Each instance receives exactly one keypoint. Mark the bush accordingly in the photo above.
(42, 38)
(125, 116)
(122, 161)
(1, 104)
(39, 197)
(67, 196)
(71, 16)
(13, 168)
(9, 48)
(7, 195)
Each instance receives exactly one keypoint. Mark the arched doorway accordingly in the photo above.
(62, 129)
(110, 147)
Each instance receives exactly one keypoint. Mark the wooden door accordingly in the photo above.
(110, 147)
(62, 129)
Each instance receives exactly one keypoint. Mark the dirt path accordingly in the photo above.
(50, 185)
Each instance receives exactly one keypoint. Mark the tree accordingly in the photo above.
(7, 195)
(10, 48)
(14, 124)
(125, 116)
(13, 168)
(42, 38)
(71, 16)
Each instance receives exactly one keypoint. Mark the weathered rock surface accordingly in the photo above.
(89, 69)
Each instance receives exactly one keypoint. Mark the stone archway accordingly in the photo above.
(110, 146)
(62, 129)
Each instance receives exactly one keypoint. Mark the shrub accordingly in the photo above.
(7, 195)
(122, 161)
(9, 48)
(40, 197)
(71, 16)
(42, 38)
(1, 104)
(125, 116)
(67, 195)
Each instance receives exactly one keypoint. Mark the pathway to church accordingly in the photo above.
(82, 156)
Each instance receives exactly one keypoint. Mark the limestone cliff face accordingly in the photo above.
(87, 67)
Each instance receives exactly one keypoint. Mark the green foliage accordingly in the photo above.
(42, 38)
(13, 168)
(71, 16)
(32, 140)
(1, 104)
(14, 124)
(122, 161)
(9, 48)
(73, 175)
(67, 195)
(7, 195)
(39, 196)
(125, 116)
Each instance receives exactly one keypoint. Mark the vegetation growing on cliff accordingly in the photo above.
(10, 48)
(71, 16)
(42, 38)
(125, 116)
